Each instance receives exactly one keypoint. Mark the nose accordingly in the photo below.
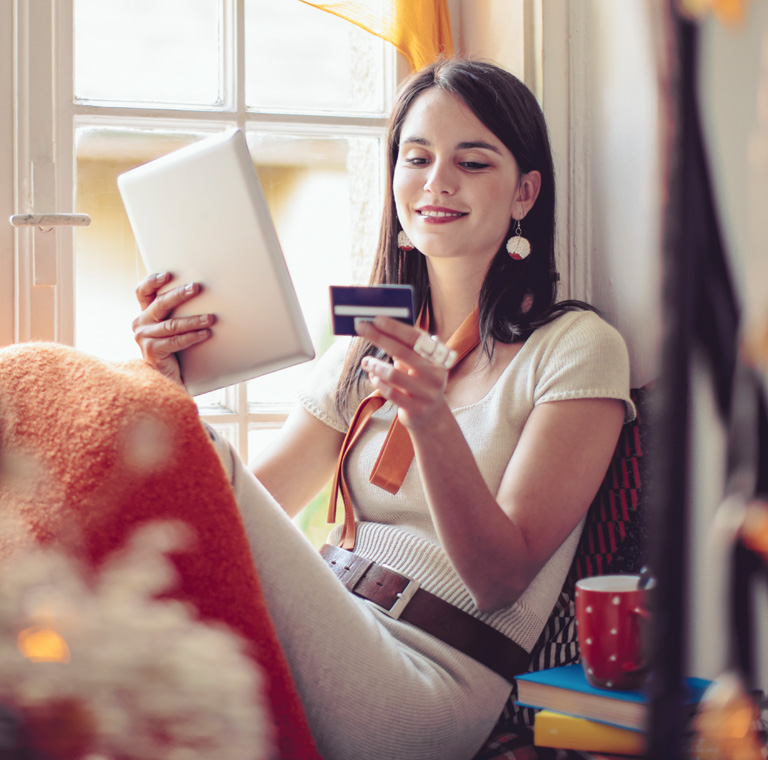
(440, 179)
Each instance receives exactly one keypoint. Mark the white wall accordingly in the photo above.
(615, 115)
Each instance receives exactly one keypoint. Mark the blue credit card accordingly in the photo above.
(352, 304)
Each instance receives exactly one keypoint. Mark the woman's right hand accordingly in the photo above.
(160, 335)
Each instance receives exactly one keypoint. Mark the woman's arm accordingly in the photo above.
(302, 460)
(497, 542)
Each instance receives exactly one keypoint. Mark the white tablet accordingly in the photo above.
(200, 214)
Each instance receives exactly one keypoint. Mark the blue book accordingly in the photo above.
(565, 689)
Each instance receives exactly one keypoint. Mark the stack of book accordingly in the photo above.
(573, 715)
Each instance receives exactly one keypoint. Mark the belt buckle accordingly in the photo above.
(403, 597)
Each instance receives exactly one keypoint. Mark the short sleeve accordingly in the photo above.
(583, 357)
(318, 395)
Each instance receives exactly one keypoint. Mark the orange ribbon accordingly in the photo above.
(396, 453)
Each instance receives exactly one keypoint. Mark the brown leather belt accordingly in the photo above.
(401, 598)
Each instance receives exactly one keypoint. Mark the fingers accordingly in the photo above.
(159, 334)
(408, 344)
(158, 349)
(156, 308)
(158, 340)
(147, 289)
(393, 379)
(394, 338)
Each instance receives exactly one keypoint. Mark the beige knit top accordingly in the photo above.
(578, 355)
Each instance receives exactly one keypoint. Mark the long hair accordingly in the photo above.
(509, 110)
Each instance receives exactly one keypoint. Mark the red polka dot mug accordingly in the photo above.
(611, 617)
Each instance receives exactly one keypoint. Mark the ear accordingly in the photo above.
(527, 193)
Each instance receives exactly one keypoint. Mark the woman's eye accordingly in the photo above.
(474, 165)
(416, 161)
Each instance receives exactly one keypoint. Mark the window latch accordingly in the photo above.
(46, 222)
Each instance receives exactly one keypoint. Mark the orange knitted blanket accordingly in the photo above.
(90, 450)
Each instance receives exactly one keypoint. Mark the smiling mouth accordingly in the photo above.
(432, 214)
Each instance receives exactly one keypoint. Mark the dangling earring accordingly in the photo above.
(518, 247)
(403, 242)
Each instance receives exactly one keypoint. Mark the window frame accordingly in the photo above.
(45, 119)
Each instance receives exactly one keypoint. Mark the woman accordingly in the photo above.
(509, 446)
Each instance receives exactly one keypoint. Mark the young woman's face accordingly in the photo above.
(456, 185)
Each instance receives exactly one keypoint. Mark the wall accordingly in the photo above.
(615, 118)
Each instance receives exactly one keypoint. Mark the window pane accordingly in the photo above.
(323, 194)
(302, 58)
(149, 52)
(108, 265)
(221, 401)
(261, 437)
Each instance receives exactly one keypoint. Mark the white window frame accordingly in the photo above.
(7, 183)
(40, 134)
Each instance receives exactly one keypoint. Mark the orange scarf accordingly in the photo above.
(396, 453)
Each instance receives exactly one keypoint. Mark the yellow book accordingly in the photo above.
(553, 729)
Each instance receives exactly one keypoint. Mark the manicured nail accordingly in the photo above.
(204, 319)
(362, 327)
(160, 276)
(189, 288)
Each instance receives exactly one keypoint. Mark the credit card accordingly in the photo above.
(352, 304)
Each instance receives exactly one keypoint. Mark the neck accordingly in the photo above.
(454, 292)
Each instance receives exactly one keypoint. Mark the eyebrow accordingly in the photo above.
(461, 146)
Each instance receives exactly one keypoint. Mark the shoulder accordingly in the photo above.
(580, 330)
(580, 355)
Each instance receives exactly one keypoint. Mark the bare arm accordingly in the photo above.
(497, 542)
(301, 462)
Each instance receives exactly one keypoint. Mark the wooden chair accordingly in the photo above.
(613, 541)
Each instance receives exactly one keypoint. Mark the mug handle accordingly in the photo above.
(642, 612)
(645, 616)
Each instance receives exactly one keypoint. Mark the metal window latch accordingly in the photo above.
(47, 222)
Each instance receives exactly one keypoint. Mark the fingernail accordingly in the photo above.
(189, 288)
(362, 327)
(366, 363)
(161, 276)
(204, 319)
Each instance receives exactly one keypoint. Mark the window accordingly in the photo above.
(135, 79)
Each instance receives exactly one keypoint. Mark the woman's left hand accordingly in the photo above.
(415, 384)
